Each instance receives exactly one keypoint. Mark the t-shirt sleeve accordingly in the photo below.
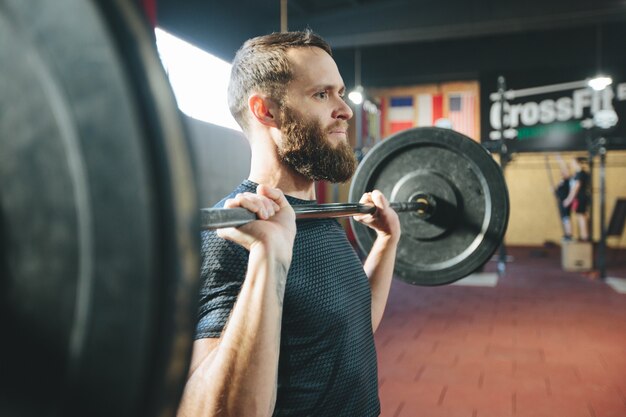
(222, 273)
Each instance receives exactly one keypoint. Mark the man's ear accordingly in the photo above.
(264, 110)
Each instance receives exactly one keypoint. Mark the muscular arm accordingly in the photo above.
(379, 269)
(382, 257)
(236, 374)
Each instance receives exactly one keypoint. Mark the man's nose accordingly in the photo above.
(342, 111)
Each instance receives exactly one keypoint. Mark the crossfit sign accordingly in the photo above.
(552, 117)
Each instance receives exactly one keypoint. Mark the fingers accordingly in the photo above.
(379, 200)
(278, 227)
(263, 207)
(274, 194)
(265, 203)
(375, 198)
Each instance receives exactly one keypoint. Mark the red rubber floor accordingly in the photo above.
(541, 343)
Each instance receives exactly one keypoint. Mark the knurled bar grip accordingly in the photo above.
(216, 218)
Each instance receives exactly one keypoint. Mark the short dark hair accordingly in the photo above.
(262, 64)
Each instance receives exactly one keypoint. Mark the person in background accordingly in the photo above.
(561, 190)
(579, 196)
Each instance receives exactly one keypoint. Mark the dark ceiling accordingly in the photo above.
(404, 42)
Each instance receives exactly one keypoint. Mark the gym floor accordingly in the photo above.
(541, 342)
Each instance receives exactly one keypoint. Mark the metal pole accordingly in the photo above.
(591, 210)
(602, 245)
(503, 161)
(216, 218)
(545, 89)
(553, 189)
(283, 16)
(358, 120)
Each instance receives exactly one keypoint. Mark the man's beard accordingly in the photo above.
(306, 149)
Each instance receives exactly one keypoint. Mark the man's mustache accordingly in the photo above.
(339, 126)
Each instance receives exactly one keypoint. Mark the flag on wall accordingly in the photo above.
(401, 114)
(429, 109)
(462, 113)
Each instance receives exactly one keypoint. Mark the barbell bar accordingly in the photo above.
(216, 218)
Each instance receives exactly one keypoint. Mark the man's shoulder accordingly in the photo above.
(244, 186)
(216, 250)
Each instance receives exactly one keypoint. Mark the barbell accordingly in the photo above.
(449, 192)
(99, 220)
(217, 218)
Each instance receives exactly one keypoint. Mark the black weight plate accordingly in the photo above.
(472, 203)
(98, 218)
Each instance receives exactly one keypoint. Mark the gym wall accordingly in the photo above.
(222, 158)
(534, 217)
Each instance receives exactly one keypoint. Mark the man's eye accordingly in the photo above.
(322, 94)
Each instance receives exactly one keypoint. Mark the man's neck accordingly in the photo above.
(266, 169)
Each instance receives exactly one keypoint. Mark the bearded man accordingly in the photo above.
(287, 309)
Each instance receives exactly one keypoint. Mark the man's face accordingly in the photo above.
(307, 148)
(314, 119)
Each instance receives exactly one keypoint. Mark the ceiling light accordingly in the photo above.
(356, 95)
(600, 82)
